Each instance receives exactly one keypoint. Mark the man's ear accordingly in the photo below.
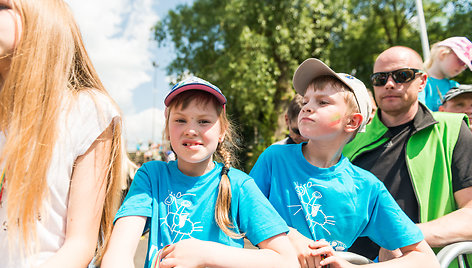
(354, 123)
(441, 108)
(424, 80)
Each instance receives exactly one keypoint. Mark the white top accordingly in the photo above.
(80, 124)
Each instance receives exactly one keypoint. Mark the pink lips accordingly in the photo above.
(306, 119)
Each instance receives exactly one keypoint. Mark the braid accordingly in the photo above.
(223, 201)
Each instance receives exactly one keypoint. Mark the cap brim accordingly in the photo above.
(458, 93)
(195, 86)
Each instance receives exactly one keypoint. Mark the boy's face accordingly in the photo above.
(459, 104)
(324, 114)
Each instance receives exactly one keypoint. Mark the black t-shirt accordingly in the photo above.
(388, 163)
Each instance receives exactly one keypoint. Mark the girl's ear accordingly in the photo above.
(222, 137)
(443, 53)
(353, 123)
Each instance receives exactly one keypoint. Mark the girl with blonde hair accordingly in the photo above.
(200, 208)
(448, 59)
(60, 141)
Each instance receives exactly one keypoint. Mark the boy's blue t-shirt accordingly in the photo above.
(430, 96)
(178, 207)
(337, 204)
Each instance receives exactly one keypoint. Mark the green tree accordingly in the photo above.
(375, 25)
(250, 49)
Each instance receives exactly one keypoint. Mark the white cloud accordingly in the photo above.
(140, 126)
(118, 39)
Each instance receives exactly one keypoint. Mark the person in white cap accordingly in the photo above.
(448, 59)
(327, 201)
(422, 157)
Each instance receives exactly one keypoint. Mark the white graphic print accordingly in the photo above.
(177, 219)
(313, 211)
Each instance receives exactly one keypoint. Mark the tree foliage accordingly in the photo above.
(250, 49)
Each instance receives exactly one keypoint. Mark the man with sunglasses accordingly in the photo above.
(422, 157)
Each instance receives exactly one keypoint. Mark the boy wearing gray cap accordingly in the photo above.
(326, 201)
(458, 100)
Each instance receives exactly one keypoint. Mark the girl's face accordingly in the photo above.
(194, 134)
(10, 31)
(451, 65)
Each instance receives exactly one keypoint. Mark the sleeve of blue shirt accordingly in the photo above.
(261, 172)
(257, 217)
(138, 201)
(389, 226)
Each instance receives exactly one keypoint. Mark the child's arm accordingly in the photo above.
(86, 198)
(415, 255)
(274, 252)
(123, 242)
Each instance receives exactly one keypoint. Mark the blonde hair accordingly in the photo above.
(435, 53)
(224, 153)
(49, 64)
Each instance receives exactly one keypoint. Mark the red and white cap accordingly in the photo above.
(195, 83)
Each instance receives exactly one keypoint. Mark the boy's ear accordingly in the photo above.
(441, 108)
(354, 123)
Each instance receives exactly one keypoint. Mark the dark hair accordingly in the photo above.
(294, 107)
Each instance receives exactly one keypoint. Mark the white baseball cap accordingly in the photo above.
(313, 68)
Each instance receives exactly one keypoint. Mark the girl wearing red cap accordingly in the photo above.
(198, 210)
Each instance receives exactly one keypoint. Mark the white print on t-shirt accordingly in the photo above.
(313, 212)
(177, 218)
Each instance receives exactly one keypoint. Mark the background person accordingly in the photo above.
(60, 141)
(448, 59)
(458, 100)
(291, 119)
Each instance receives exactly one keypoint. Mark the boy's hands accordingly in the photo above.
(322, 248)
(189, 253)
(304, 248)
(309, 252)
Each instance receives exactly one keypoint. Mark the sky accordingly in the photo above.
(117, 35)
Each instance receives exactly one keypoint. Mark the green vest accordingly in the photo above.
(428, 156)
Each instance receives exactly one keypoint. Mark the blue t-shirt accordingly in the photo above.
(178, 207)
(337, 204)
(430, 96)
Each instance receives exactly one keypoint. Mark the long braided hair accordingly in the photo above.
(224, 153)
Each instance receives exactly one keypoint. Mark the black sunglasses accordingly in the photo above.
(403, 75)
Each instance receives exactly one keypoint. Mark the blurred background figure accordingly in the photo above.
(291, 119)
(448, 59)
(458, 100)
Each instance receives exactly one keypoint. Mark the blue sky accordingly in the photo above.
(118, 38)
